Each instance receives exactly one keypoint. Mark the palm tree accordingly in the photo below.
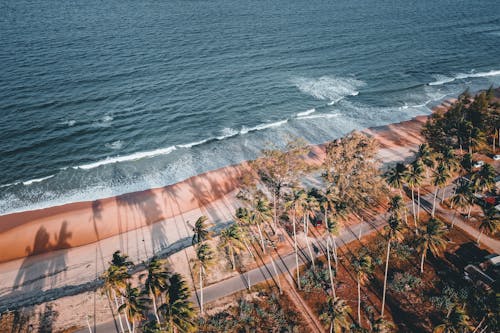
(134, 306)
(177, 311)
(205, 257)
(363, 267)
(457, 322)
(260, 214)
(393, 232)
(396, 177)
(294, 208)
(440, 179)
(414, 179)
(396, 206)
(425, 154)
(431, 238)
(115, 279)
(156, 282)
(336, 314)
(231, 240)
(309, 207)
(200, 231)
(381, 325)
(484, 179)
(464, 196)
(490, 222)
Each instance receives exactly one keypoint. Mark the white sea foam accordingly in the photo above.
(37, 180)
(260, 127)
(192, 144)
(116, 145)
(227, 133)
(329, 88)
(320, 116)
(306, 113)
(131, 157)
(441, 79)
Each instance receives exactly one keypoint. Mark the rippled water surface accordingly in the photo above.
(104, 97)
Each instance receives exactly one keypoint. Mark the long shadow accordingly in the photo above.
(37, 273)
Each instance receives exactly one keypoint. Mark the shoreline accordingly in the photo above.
(82, 223)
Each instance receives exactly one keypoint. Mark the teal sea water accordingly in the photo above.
(99, 98)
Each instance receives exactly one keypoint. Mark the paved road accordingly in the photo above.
(285, 264)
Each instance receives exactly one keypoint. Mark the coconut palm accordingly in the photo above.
(231, 240)
(363, 266)
(260, 214)
(425, 154)
(414, 179)
(449, 160)
(431, 238)
(294, 208)
(177, 311)
(484, 179)
(336, 314)
(457, 322)
(327, 202)
(393, 232)
(440, 179)
(115, 279)
(490, 222)
(397, 206)
(381, 325)
(134, 306)
(464, 196)
(200, 231)
(205, 256)
(396, 177)
(310, 207)
(156, 281)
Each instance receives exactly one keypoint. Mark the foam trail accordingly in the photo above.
(329, 88)
(192, 144)
(227, 133)
(320, 116)
(462, 76)
(115, 145)
(29, 182)
(306, 113)
(260, 127)
(131, 157)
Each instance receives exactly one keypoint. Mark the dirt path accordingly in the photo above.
(306, 312)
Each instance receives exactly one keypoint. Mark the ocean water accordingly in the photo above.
(99, 98)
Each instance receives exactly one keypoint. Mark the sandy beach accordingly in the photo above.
(59, 251)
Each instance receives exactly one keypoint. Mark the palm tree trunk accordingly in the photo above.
(404, 206)
(261, 238)
(275, 217)
(153, 298)
(128, 324)
(276, 273)
(359, 302)
(335, 255)
(479, 237)
(88, 325)
(306, 230)
(133, 326)
(418, 204)
(296, 252)
(470, 210)
(434, 202)
(414, 212)
(119, 314)
(201, 290)
(443, 194)
(331, 326)
(422, 262)
(385, 276)
(231, 253)
(330, 267)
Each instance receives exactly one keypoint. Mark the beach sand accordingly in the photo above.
(59, 251)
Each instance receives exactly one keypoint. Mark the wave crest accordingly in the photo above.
(329, 88)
